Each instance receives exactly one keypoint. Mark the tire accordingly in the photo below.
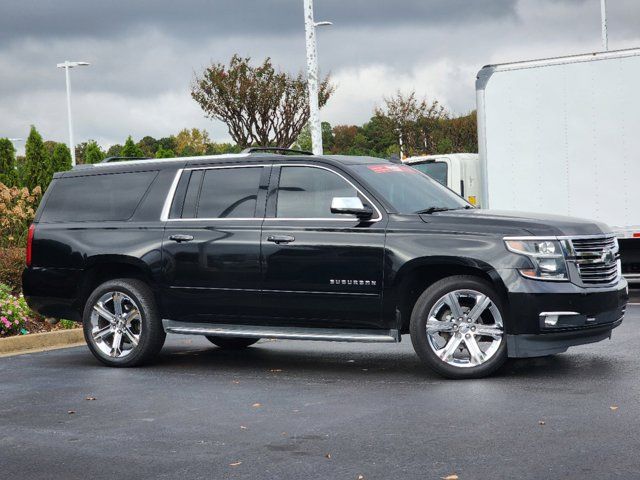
(232, 343)
(455, 338)
(102, 327)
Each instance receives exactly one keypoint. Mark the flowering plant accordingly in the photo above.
(14, 312)
(17, 209)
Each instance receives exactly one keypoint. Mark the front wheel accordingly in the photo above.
(457, 328)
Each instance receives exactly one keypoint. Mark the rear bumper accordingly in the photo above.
(52, 292)
(549, 317)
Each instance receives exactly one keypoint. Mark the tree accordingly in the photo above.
(164, 153)
(413, 121)
(191, 142)
(93, 153)
(130, 149)
(114, 150)
(37, 165)
(261, 106)
(148, 145)
(60, 158)
(8, 174)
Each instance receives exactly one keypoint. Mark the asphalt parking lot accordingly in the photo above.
(307, 410)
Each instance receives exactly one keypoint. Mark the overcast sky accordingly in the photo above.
(144, 54)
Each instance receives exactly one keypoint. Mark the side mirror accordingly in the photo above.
(351, 206)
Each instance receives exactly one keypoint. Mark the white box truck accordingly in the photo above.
(560, 135)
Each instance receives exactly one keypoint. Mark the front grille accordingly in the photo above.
(596, 259)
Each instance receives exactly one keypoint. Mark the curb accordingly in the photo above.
(39, 342)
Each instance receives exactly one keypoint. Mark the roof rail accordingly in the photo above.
(275, 149)
(114, 159)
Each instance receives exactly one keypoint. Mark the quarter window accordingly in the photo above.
(228, 193)
(306, 192)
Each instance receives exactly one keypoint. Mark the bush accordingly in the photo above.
(11, 266)
(17, 209)
(14, 312)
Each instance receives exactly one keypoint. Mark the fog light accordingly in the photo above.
(551, 320)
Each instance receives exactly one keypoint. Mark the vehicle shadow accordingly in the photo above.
(399, 364)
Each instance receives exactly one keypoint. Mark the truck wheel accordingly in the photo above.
(457, 328)
(232, 343)
(121, 323)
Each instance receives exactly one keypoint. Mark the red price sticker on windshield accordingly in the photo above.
(391, 168)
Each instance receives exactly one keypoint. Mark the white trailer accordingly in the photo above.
(562, 135)
(458, 171)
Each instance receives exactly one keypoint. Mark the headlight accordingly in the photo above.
(546, 255)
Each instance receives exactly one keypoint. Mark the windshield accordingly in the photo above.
(407, 190)
(436, 170)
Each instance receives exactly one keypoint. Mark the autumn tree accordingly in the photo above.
(192, 142)
(260, 106)
(413, 120)
(8, 174)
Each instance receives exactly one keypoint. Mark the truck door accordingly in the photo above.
(211, 245)
(320, 269)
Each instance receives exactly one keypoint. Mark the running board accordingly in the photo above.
(289, 333)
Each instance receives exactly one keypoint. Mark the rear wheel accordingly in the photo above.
(457, 328)
(121, 324)
(232, 343)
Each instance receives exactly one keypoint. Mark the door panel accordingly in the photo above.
(211, 254)
(328, 273)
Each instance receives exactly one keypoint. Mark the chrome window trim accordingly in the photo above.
(164, 216)
(324, 219)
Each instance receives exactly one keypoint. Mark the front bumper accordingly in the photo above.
(578, 315)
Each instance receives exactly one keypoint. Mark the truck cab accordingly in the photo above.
(459, 172)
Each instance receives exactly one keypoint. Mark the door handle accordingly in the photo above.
(181, 238)
(280, 238)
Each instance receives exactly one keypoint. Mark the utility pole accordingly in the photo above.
(605, 36)
(312, 76)
(67, 65)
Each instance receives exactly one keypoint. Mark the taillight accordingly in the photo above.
(32, 227)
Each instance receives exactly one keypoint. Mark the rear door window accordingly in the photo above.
(104, 197)
(228, 193)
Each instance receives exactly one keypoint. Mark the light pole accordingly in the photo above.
(67, 65)
(603, 15)
(312, 76)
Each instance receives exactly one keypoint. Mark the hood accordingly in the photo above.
(518, 223)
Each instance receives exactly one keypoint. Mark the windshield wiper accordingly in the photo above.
(430, 210)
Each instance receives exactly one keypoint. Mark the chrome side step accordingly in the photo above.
(289, 333)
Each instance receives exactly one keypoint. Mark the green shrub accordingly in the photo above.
(14, 312)
(67, 324)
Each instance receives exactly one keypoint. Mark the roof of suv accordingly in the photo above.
(213, 159)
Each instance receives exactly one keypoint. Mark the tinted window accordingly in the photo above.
(229, 193)
(436, 170)
(191, 196)
(306, 192)
(113, 196)
(406, 189)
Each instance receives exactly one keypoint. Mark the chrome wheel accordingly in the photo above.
(464, 328)
(116, 324)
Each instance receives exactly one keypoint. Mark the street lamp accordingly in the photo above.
(67, 65)
(312, 76)
(603, 16)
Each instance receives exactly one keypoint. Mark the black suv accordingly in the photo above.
(259, 245)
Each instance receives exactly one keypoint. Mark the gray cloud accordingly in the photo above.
(144, 53)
